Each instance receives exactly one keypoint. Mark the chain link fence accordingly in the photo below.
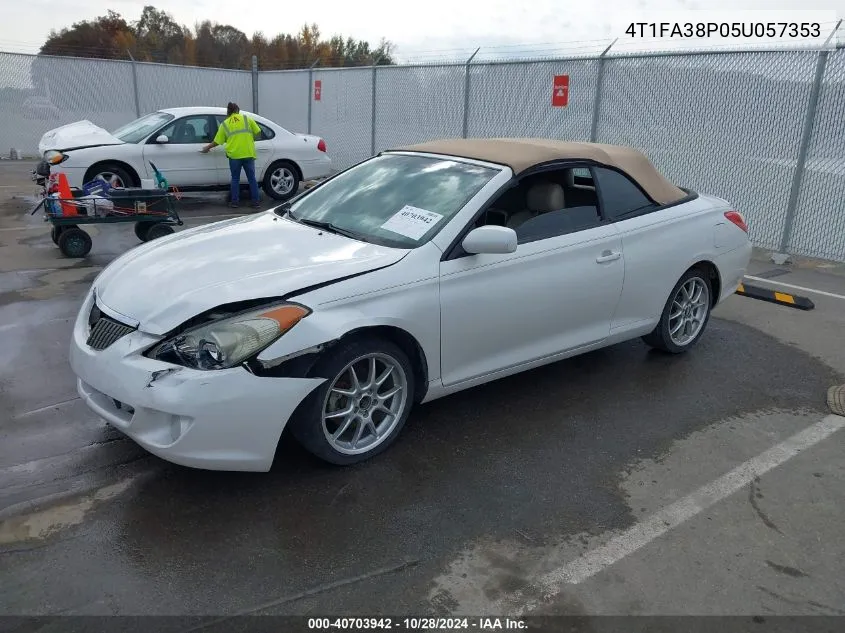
(763, 129)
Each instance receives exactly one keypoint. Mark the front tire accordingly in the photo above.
(685, 315)
(74, 242)
(281, 180)
(361, 408)
(117, 176)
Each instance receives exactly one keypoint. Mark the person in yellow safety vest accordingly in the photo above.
(237, 132)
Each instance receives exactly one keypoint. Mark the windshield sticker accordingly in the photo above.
(412, 222)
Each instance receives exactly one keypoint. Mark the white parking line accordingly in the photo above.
(801, 288)
(675, 514)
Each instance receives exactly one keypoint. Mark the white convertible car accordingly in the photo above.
(171, 140)
(415, 274)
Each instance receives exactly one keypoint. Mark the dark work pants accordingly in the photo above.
(248, 165)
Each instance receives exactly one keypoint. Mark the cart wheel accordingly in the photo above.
(158, 230)
(141, 230)
(74, 242)
(54, 234)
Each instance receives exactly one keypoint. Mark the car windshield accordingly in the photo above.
(140, 129)
(394, 200)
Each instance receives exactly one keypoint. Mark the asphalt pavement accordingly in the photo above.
(619, 482)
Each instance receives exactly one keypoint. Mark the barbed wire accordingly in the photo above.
(443, 56)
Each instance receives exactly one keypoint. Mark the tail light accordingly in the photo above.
(321, 145)
(737, 218)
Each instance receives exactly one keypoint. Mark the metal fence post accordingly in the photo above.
(310, 88)
(373, 110)
(255, 84)
(594, 127)
(135, 85)
(466, 91)
(803, 150)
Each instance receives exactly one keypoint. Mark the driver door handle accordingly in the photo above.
(608, 256)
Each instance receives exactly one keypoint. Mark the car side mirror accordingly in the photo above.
(491, 240)
(162, 139)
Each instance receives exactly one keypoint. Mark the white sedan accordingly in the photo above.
(418, 273)
(171, 140)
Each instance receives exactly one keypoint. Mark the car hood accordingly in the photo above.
(76, 135)
(163, 283)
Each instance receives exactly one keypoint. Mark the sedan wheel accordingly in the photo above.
(361, 407)
(685, 314)
(281, 181)
(115, 180)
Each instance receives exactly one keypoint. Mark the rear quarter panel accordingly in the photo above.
(659, 247)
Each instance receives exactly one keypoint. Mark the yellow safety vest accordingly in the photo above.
(238, 134)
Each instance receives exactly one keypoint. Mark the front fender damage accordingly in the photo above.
(292, 365)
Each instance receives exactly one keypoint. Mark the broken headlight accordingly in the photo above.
(227, 342)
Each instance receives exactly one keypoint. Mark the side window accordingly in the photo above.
(546, 205)
(582, 177)
(266, 133)
(192, 129)
(620, 197)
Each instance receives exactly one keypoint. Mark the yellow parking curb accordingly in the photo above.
(775, 296)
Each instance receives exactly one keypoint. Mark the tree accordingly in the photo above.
(157, 37)
(99, 38)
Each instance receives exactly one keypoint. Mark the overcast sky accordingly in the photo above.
(426, 29)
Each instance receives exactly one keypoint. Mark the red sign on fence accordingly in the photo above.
(560, 91)
(318, 89)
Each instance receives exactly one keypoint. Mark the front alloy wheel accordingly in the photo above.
(364, 403)
(361, 407)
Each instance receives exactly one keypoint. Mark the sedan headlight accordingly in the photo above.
(230, 341)
(54, 157)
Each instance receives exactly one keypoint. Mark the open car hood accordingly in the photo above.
(163, 283)
(76, 135)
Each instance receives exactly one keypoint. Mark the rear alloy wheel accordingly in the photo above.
(361, 408)
(281, 181)
(685, 314)
(74, 242)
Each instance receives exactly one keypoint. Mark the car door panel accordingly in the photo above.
(180, 159)
(550, 296)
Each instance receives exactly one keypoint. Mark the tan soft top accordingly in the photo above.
(521, 154)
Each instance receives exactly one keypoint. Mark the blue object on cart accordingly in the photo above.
(97, 187)
(52, 205)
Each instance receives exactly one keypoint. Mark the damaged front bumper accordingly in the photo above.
(226, 419)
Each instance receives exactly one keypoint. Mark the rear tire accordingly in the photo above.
(55, 232)
(74, 242)
(158, 230)
(368, 404)
(685, 315)
(141, 229)
(281, 180)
